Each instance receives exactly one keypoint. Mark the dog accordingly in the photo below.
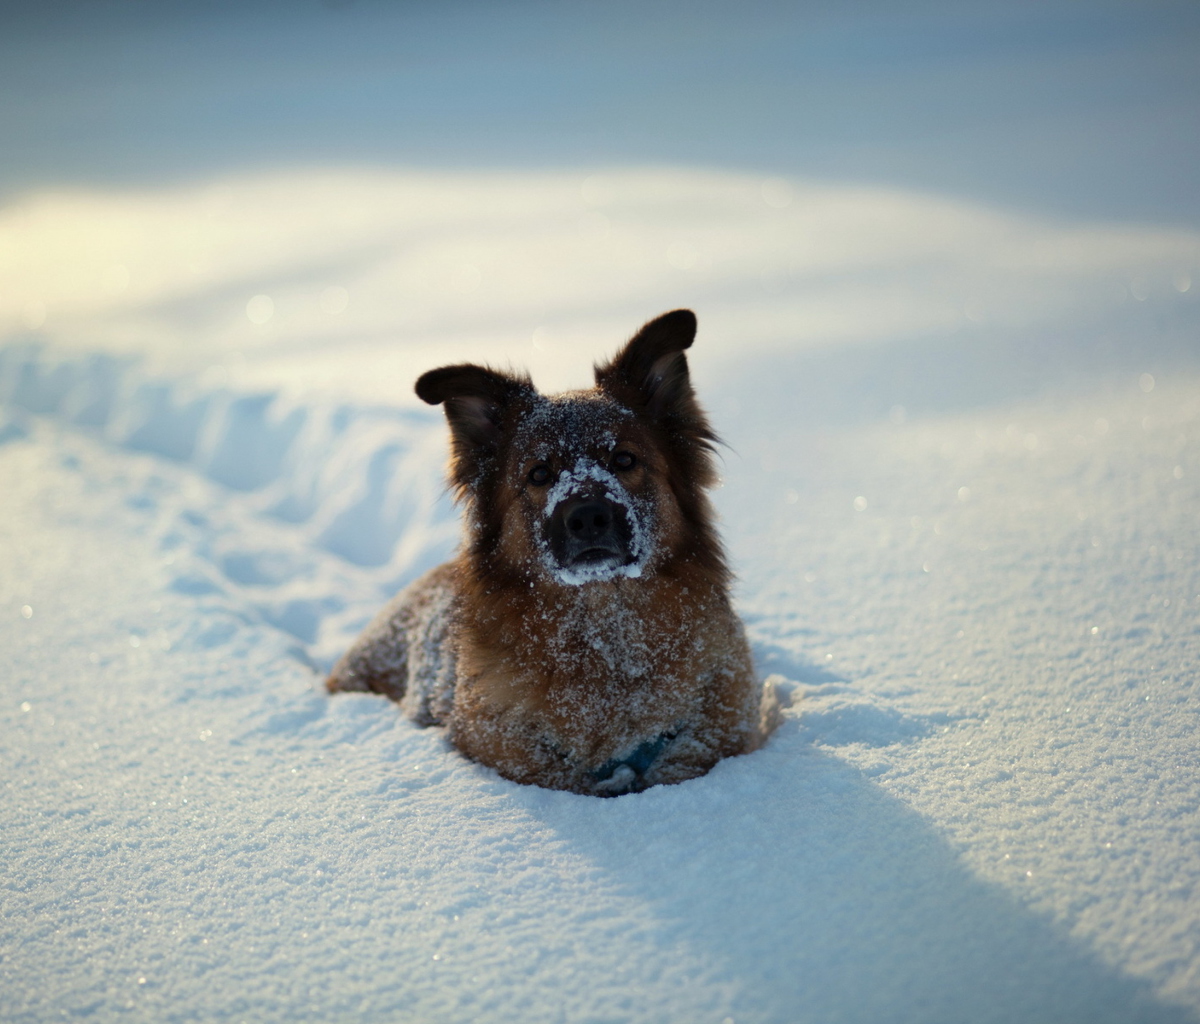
(583, 639)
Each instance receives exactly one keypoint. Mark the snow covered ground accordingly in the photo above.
(970, 546)
(960, 491)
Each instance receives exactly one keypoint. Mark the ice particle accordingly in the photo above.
(260, 309)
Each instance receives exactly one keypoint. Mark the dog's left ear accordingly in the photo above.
(651, 371)
(650, 376)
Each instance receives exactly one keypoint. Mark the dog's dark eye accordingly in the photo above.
(539, 476)
(624, 460)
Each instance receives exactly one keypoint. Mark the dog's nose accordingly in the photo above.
(589, 521)
(588, 528)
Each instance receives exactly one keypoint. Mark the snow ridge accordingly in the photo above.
(314, 494)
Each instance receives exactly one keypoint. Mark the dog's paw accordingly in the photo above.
(778, 694)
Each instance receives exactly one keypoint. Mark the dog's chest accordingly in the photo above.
(607, 642)
(585, 658)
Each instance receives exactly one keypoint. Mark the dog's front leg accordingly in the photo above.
(407, 652)
(377, 662)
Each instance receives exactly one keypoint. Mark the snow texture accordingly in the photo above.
(966, 543)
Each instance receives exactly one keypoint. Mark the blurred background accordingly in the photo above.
(332, 195)
(1076, 109)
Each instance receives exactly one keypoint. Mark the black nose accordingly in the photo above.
(588, 528)
(589, 521)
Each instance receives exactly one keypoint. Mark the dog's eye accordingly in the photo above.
(539, 476)
(624, 460)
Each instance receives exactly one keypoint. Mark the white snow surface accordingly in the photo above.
(961, 496)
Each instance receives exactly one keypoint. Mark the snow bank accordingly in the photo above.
(352, 281)
(970, 556)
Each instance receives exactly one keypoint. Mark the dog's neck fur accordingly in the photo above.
(603, 634)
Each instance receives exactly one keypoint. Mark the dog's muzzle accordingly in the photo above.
(590, 531)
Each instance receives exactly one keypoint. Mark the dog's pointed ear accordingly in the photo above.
(651, 371)
(650, 376)
(476, 399)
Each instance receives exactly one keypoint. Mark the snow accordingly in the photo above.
(982, 804)
(539, 269)
(959, 492)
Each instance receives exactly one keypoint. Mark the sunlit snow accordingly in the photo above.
(959, 490)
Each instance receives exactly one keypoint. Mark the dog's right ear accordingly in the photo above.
(476, 399)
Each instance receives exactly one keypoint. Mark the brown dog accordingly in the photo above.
(583, 639)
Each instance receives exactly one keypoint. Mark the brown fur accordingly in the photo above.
(597, 681)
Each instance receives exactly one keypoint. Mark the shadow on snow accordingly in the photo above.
(826, 900)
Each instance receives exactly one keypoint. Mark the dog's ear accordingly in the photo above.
(650, 376)
(651, 371)
(476, 399)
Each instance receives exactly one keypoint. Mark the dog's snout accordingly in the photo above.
(589, 520)
(589, 528)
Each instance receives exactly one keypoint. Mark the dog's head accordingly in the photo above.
(586, 486)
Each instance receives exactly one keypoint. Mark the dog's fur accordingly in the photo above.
(583, 639)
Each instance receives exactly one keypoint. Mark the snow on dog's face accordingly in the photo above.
(579, 488)
(590, 486)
